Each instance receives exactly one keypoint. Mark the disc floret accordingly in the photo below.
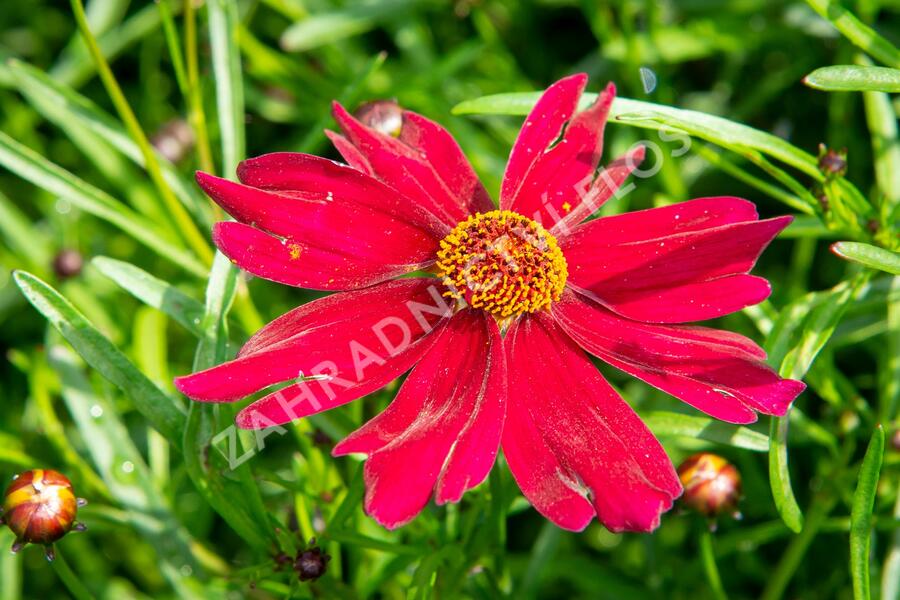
(502, 263)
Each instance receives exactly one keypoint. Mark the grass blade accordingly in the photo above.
(160, 410)
(229, 489)
(61, 104)
(121, 465)
(812, 319)
(176, 209)
(853, 78)
(869, 255)
(860, 34)
(663, 424)
(226, 60)
(153, 292)
(30, 165)
(861, 515)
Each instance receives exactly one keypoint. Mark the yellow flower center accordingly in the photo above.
(502, 263)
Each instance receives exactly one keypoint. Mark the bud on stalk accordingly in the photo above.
(40, 508)
(712, 485)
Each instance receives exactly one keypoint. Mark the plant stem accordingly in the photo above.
(709, 565)
(195, 97)
(69, 579)
(179, 214)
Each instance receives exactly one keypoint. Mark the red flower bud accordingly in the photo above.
(40, 508)
(712, 485)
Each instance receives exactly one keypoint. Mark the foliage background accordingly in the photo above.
(166, 520)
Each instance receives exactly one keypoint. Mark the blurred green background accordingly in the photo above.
(268, 69)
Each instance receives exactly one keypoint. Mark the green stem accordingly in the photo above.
(69, 579)
(707, 555)
(180, 216)
(195, 96)
(793, 556)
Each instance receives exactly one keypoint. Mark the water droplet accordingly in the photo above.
(648, 79)
(128, 466)
(96, 411)
(187, 571)
(63, 206)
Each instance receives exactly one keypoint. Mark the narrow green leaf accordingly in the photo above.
(890, 575)
(326, 28)
(780, 476)
(799, 334)
(676, 424)
(61, 105)
(76, 67)
(121, 464)
(741, 139)
(230, 490)
(30, 165)
(174, 209)
(853, 78)
(153, 292)
(626, 111)
(22, 236)
(882, 121)
(861, 515)
(869, 255)
(226, 61)
(860, 34)
(160, 410)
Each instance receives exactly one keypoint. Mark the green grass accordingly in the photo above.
(87, 384)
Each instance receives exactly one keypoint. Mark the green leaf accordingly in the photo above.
(797, 337)
(226, 62)
(230, 490)
(869, 255)
(62, 105)
(153, 292)
(853, 78)
(861, 515)
(321, 29)
(122, 466)
(160, 410)
(857, 32)
(638, 113)
(743, 140)
(30, 165)
(676, 424)
(780, 476)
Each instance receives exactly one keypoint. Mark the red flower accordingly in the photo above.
(616, 287)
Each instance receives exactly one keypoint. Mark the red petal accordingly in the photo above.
(424, 164)
(718, 372)
(605, 185)
(302, 265)
(442, 432)
(349, 152)
(359, 337)
(548, 174)
(541, 128)
(691, 271)
(573, 445)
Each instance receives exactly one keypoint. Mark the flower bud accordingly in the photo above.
(712, 485)
(311, 563)
(174, 140)
(40, 508)
(68, 263)
(385, 116)
(832, 164)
